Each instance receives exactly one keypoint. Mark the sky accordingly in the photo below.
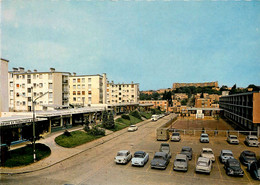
(154, 43)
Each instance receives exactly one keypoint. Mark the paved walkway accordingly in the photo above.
(59, 154)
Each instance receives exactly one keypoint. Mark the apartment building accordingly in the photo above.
(180, 96)
(122, 93)
(25, 86)
(4, 86)
(163, 104)
(205, 84)
(203, 103)
(161, 91)
(243, 109)
(88, 89)
(150, 92)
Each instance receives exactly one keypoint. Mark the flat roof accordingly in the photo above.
(241, 94)
(4, 60)
(146, 105)
(15, 120)
(194, 108)
(121, 104)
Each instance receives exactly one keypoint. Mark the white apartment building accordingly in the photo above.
(25, 86)
(3, 85)
(122, 93)
(87, 89)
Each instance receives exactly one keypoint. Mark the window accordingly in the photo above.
(34, 85)
(78, 92)
(89, 80)
(89, 99)
(83, 80)
(11, 93)
(74, 92)
(50, 76)
(29, 90)
(23, 103)
(83, 92)
(78, 80)
(23, 85)
(17, 85)
(40, 85)
(83, 86)
(50, 95)
(23, 76)
(34, 76)
(74, 86)
(89, 86)
(74, 80)
(11, 84)
(17, 103)
(17, 94)
(34, 94)
(28, 76)
(50, 85)
(29, 81)
(78, 99)
(74, 98)
(78, 86)
(40, 76)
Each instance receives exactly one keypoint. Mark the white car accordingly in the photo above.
(140, 158)
(181, 163)
(176, 136)
(208, 153)
(132, 128)
(203, 165)
(225, 155)
(123, 157)
(155, 117)
(204, 138)
(252, 140)
(232, 139)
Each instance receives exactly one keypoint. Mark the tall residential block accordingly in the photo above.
(243, 109)
(87, 89)
(25, 86)
(4, 86)
(122, 93)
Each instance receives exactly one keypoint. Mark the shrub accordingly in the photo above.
(95, 131)
(86, 128)
(124, 116)
(136, 114)
(67, 133)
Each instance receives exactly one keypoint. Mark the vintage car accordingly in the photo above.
(160, 160)
(247, 157)
(140, 158)
(254, 169)
(187, 151)
(232, 139)
(165, 147)
(232, 167)
(225, 155)
(252, 141)
(208, 153)
(132, 128)
(203, 165)
(123, 157)
(176, 136)
(204, 138)
(154, 117)
(180, 163)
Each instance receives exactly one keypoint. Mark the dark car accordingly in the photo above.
(186, 150)
(254, 169)
(160, 160)
(232, 167)
(247, 157)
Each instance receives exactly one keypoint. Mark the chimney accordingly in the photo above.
(52, 69)
(29, 71)
(15, 69)
(21, 69)
(74, 74)
(35, 70)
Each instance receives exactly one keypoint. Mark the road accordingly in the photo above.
(96, 166)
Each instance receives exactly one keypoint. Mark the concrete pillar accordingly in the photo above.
(71, 119)
(50, 125)
(258, 130)
(61, 121)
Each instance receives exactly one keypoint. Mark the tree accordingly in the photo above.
(233, 89)
(108, 120)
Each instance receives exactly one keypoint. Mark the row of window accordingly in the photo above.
(79, 99)
(81, 86)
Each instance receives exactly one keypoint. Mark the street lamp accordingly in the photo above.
(33, 107)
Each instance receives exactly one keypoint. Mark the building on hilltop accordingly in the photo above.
(205, 84)
(25, 86)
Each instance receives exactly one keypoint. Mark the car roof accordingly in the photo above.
(181, 156)
(252, 136)
(204, 159)
(207, 149)
(232, 135)
(227, 151)
(186, 147)
(248, 152)
(139, 152)
(123, 151)
(160, 154)
(233, 160)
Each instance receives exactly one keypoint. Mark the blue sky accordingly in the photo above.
(152, 43)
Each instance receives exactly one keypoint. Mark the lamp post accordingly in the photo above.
(33, 107)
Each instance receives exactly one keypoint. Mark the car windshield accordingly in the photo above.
(185, 149)
(204, 135)
(202, 163)
(234, 164)
(158, 157)
(175, 134)
(250, 155)
(207, 152)
(233, 137)
(254, 139)
(181, 160)
(121, 154)
(132, 126)
(139, 155)
(228, 154)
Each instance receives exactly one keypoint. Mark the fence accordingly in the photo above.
(223, 133)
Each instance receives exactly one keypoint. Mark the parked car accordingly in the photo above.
(232, 167)
(204, 138)
(186, 150)
(225, 155)
(132, 128)
(252, 141)
(254, 169)
(123, 157)
(160, 160)
(165, 147)
(203, 165)
(154, 117)
(140, 158)
(232, 139)
(208, 153)
(180, 163)
(175, 136)
(247, 157)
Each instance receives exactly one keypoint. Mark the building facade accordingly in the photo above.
(122, 93)
(163, 104)
(4, 107)
(26, 86)
(243, 109)
(205, 84)
(88, 89)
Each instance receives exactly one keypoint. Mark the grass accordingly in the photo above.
(77, 138)
(146, 115)
(121, 123)
(24, 156)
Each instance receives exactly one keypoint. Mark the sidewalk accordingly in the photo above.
(59, 154)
